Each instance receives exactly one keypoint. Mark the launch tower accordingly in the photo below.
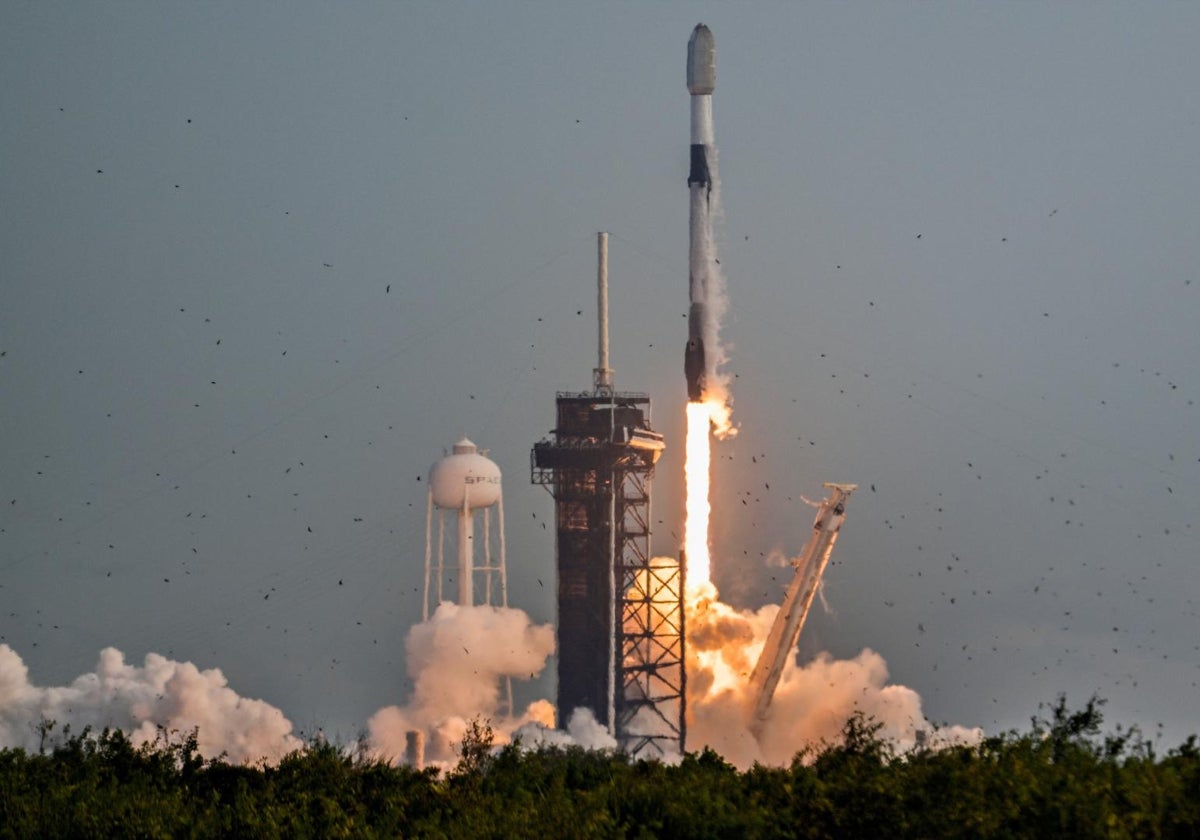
(620, 612)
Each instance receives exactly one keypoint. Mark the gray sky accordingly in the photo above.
(960, 241)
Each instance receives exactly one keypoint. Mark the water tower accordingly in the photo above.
(465, 484)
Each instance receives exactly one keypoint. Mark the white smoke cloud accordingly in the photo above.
(583, 730)
(812, 702)
(458, 660)
(139, 700)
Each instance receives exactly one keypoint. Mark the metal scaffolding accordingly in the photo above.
(620, 613)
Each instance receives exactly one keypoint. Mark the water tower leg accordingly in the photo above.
(441, 567)
(503, 559)
(487, 555)
(466, 551)
(504, 587)
(428, 550)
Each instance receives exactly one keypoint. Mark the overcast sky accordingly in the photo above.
(961, 243)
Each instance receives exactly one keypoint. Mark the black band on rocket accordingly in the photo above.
(699, 171)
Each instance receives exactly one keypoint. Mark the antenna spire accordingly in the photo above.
(602, 374)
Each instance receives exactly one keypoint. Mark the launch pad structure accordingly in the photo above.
(620, 611)
(793, 612)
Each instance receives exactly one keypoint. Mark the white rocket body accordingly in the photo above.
(701, 80)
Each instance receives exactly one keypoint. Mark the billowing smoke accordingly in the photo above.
(812, 702)
(583, 730)
(458, 661)
(161, 693)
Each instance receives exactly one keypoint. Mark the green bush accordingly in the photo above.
(1060, 779)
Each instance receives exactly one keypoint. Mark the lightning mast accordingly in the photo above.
(793, 612)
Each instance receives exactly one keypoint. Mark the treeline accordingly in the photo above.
(1060, 779)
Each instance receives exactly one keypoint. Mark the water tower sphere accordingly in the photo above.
(465, 475)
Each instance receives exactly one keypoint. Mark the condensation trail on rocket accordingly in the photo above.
(701, 80)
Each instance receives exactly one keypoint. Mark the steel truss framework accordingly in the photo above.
(621, 616)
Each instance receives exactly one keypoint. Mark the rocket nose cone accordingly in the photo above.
(701, 61)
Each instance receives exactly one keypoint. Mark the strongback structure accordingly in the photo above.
(793, 612)
(620, 612)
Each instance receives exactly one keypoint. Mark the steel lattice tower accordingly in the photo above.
(620, 612)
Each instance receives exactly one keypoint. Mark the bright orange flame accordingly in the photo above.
(695, 474)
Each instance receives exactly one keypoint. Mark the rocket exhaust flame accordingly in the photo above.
(696, 477)
(704, 419)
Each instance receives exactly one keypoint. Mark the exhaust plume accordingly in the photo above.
(696, 467)
(812, 702)
(161, 693)
(583, 730)
(457, 660)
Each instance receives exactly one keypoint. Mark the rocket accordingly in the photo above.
(701, 79)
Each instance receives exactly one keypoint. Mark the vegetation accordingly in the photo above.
(1061, 779)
